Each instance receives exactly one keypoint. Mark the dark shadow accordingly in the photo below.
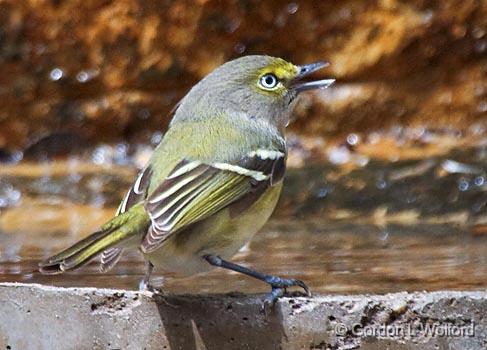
(218, 322)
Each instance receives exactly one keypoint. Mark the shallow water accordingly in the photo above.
(362, 225)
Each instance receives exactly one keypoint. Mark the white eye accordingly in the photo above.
(268, 81)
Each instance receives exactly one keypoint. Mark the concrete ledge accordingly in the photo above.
(40, 317)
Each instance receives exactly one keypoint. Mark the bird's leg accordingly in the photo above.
(277, 284)
(145, 285)
(145, 282)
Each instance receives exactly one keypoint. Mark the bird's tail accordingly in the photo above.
(113, 233)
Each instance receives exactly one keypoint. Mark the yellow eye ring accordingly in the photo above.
(268, 82)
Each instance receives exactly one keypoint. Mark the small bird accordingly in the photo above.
(214, 179)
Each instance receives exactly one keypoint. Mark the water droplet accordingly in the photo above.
(101, 155)
(453, 167)
(477, 129)
(233, 26)
(362, 161)
(98, 200)
(9, 195)
(121, 148)
(86, 75)
(479, 180)
(239, 48)
(418, 133)
(463, 185)
(14, 195)
(384, 235)
(292, 8)
(144, 113)
(56, 74)
(481, 46)
(381, 184)
(478, 32)
(156, 138)
(17, 156)
(353, 139)
(322, 192)
(82, 77)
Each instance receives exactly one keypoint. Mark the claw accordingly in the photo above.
(271, 298)
(304, 286)
(279, 285)
(277, 282)
(279, 288)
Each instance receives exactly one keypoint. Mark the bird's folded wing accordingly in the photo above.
(194, 191)
(137, 193)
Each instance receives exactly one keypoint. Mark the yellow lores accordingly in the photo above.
(214, 179)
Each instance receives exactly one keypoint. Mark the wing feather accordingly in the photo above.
(109, 258)
(137, 193)
(194, 191)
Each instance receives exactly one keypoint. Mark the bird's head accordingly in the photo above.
(260, 87)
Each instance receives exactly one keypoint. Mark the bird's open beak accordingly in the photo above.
(306, 70)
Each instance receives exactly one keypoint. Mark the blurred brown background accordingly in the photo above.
(387, 169)
(103, 71)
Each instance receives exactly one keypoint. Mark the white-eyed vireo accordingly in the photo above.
(214, 179)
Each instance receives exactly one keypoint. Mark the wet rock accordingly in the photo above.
(114, 69)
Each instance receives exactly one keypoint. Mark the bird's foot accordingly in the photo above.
(278, 284)
(279, 288)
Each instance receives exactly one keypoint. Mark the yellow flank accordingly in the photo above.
(219, 234)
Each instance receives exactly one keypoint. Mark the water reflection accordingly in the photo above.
(344, 227)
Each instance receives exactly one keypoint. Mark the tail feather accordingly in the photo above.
(77, 255)
(112, 234)
(109, 258)
(75, 247)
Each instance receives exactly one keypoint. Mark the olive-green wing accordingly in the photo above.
(134, 195)
(194, 191)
